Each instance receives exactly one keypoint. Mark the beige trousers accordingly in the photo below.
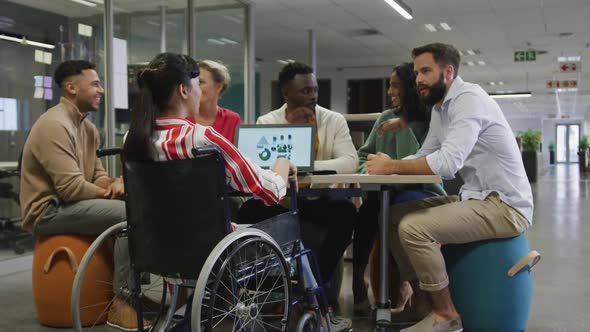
(417, 228)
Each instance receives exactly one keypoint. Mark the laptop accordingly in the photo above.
(263, 144)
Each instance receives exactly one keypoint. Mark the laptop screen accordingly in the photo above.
(263, 144)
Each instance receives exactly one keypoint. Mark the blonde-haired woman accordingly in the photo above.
(214, 80)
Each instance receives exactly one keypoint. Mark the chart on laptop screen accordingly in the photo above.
(264, 144)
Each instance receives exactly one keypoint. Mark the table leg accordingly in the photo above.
(383, 304)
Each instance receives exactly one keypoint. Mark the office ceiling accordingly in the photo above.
(496, 28)
(370, 34)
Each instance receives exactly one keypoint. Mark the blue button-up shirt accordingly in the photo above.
(469, 134)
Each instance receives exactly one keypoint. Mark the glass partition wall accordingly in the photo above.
(37, 35)
(76, 31)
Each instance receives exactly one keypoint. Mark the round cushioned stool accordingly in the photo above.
(55, 262)
(491, 283)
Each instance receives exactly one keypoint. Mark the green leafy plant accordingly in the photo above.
(530, 140)
(551, 146)
(584, 145)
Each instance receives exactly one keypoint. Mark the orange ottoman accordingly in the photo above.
(55, 263)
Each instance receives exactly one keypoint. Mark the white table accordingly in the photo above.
(381, 183)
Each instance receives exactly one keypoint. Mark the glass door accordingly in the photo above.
(568, 137)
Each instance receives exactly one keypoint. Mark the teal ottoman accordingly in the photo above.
(491, 283)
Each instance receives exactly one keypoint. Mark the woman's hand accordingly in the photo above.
(390, 124)
(293, 174)
(285, 169)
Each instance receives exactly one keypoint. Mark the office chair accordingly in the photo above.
(11, 233)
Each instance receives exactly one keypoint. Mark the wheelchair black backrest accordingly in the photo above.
(177, 212)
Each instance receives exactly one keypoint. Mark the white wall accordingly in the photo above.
(523, 124)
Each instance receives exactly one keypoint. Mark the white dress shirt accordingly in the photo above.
(469, 134)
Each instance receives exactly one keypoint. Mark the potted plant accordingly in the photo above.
(530, 144)
(583, 147)
(551, 153)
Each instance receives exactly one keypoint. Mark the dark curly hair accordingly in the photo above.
(70, 68)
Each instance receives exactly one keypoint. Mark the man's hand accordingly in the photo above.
(379, 164)
(390, 124)
(103, 193)
(301, 114)
(116, 189)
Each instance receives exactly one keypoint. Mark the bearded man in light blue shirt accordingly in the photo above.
(468, 134)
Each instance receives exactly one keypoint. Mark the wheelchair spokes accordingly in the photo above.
(247, 287)
(93, 299)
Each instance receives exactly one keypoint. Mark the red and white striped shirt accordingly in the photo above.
(175, 137)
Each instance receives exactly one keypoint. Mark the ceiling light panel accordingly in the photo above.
(445, 26)
(430, 27)
(85, 3)
(404, 10)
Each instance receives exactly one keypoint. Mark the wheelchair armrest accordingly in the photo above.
(108, 152)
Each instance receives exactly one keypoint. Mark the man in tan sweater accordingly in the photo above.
(64, 187)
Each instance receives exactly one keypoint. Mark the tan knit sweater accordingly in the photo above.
(59, 159)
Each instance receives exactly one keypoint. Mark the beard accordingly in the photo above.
(86, 106)
(436, 92)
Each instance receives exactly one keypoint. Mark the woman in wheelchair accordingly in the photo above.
(160, 131)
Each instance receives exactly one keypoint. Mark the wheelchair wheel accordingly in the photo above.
(308, 322)
(89, 311)
(243, 286)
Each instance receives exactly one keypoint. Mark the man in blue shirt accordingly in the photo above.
(468, 134)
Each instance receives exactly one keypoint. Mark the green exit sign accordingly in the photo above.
(530, 55)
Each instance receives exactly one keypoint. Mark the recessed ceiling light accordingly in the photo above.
(500, 83)
(283, 62)
(492, 83)
(470, 63)
(24, 41)
(471, 52)
(85, 3)
(236, 19)
(290, 60)
(430, 27)
(481, 63)
(228, 41)
(215, 41)
(404, 10)
(445, 26)
(498, 95)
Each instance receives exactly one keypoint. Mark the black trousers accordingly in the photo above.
(336, 216)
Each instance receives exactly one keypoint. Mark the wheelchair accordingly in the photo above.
(180, 237)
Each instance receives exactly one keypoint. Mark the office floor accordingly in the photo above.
(560, 233)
